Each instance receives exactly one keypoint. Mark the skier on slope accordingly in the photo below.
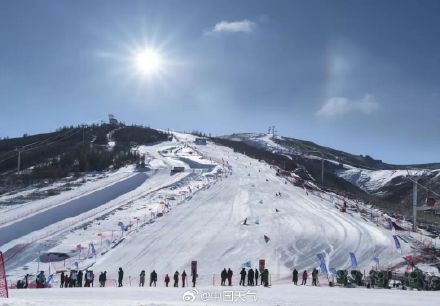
(295, 277)
(120, 277)
(304, 278)
(183, 278)
(242, 277)
(176, 279)
(167, 280)
(229, 275)
(142, 278)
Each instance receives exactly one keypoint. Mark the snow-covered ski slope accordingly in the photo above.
(209, 228)
(203, 211)
(282, 295)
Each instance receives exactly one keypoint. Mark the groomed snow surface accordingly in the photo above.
(203, 212)
(281, 295)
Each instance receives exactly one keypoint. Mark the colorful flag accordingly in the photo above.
(333, 271)
(323, 266)
(354, 263)
(92, 246)
(376, 260)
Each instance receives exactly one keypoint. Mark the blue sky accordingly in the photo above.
(361, 76)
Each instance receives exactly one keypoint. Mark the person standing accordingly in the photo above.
(183, 278)
(120, 277)
(104, 278)
(66, 281)
(265, 278)
(242, 276)
(304, 279)
(87, 279)
(229, 275)
(314, 277)
(167, 280)
(250, 277)
(176, 279)
(223, 277)
(295, 277)
(256, 277)
(100, 279)
(62, 280)
(194, 279)
(153, 278)
(142, 278)
(79, 279)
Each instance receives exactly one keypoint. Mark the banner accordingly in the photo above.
(262, 265)
(333, 271)
(247, 264)
(376, 260)
(92, 247)
(397, 242)
(3, 283)
(122, 226)
(194, 267)
(323, 266)
(354, 262)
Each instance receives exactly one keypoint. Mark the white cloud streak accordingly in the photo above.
(243, 26)
(338, 106)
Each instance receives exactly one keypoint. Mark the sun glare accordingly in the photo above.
(148, 61)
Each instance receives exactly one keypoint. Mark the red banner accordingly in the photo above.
(194, 267)
(3, 284)
(262, 265)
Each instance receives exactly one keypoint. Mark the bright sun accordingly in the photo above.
(148, 61)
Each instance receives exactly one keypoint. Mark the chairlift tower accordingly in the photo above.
(272, 130)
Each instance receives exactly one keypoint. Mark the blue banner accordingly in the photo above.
(122, 226)
(92, 246)
(333, 271)
(247, 264)
(354, 262)
(397, 242)
(376, 260)
(323, 266)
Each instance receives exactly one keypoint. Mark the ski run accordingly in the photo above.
(224, 210)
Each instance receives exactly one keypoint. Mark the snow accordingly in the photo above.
(15, 213)
(203, 211)
(282, 295)
(372, 180)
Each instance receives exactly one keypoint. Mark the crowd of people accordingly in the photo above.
(78, 279)
(250, 277)
(305, 276)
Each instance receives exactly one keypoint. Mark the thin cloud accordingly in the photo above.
(338, 106)
(243, 26)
